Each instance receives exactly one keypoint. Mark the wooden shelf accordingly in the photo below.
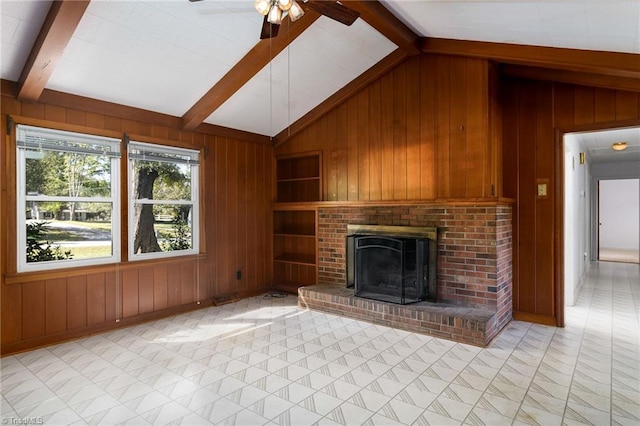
(295, 235)
(296, 258)
(298, 180)
(312, 178)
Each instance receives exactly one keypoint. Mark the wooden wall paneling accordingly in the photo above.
(400, 132)
(427, 128)
(627, 107)
(364, 153)
(527, 205)
(545, 206)
(221, 249)
(458, 131)
(563, 105)
(322, 140)
(76, 302)
(231, 226)
(160, 287)
(77, 117)
(33, 309)
(159, 132)
(353, 154)
(604, 105)
(174, 286)
(111, 304)
(145, 289)
(342, 153)
(375, 142)
(442, 158)
(478, 160)
(583, 109)
(130, 293)
(31, 110)
(55, 305)
(95, 120)
(96, 299)
(330, 160)
(188, 282)
(55, 113)
(11, 321)
(386, 133)
(412, 89)
(243, 211)
(113, 123)
(261, 230)
(495, 188)
(249, 275)
(9, 195)
(510, 145)
(508, 102)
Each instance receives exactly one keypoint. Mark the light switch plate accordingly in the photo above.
(542, 190)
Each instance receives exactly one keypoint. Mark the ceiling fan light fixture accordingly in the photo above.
(262, 6)
(295, 11)
(285, 5)
(619, 146)
(275, 15)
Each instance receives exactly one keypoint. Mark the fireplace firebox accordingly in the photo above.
(394, 264)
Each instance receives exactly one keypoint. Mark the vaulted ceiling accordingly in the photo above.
(204, 63)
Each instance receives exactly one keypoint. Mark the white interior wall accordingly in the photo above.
(619, 213)
(576, 218)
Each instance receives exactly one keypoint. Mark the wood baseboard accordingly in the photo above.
(535, 318)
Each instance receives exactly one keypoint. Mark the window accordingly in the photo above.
(163, 201)
(67, 204)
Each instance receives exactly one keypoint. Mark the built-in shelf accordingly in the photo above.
(296, 258)
(298, 180)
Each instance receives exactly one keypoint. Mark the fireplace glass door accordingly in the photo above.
(391, 269)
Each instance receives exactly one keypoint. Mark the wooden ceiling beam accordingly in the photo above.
(571, 77)
(585, 61)
(386, 23)
(256, 59)
(58, 28)
(366, 78)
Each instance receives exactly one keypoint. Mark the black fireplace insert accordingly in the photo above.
(394, 264)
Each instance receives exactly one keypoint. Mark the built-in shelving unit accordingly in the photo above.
(294, 224)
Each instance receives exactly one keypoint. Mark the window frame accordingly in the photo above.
(194, 163)
(26, 136)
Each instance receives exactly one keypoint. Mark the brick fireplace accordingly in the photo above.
(474, 251)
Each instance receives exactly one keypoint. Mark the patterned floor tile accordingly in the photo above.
(401, 411)
(349, 414)
(536, 417)
(271, 406)
(450, 408)
(321, 403)
(290, 366)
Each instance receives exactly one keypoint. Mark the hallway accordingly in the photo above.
(266, 361)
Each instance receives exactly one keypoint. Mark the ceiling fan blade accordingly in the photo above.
(334, 10)
(268, 29)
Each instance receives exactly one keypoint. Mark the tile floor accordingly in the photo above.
(265, 361)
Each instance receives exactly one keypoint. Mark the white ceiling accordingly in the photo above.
(597, 145)
(165, 55)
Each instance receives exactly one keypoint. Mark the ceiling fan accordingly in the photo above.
(275, 10)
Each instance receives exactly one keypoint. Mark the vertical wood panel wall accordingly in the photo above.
(420, 132)
(236, 233)
(532, 111)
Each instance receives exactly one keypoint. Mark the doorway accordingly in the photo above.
(619, 220)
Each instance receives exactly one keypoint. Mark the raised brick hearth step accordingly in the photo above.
(454, 322)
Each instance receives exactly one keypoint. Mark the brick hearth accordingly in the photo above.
(473, 274)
